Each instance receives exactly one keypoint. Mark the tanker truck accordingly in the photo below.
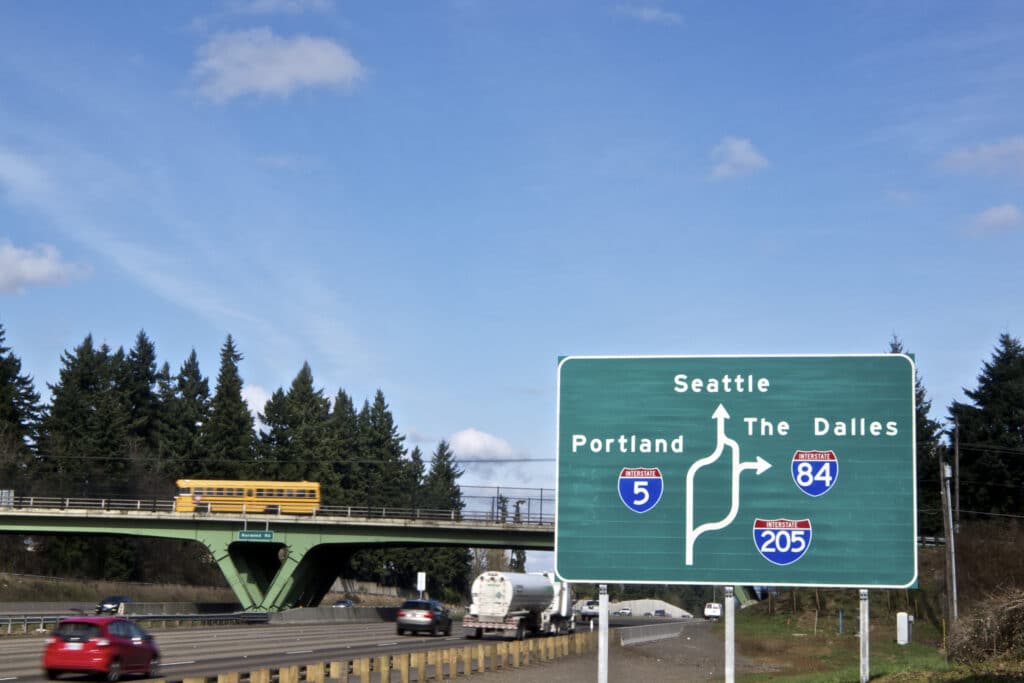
(519, 604)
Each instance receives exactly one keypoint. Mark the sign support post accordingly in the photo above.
(865, 631)
(730, 636)
(602, 635)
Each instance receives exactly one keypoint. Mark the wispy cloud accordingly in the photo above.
(41, 266)
(21, 179)
(734, 157)
(503, 462)
(998, 219)
(258, 62)
(1005, 156)
(280, 6)
(651, 14)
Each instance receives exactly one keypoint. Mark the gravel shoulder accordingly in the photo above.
(697, 654)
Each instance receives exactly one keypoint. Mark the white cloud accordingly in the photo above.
(472, 443)
(735, 157)
(280, 6)
(998, 219)
(1005, 156)
(21, 179)
(20, 268)
(256, 398)
(650, 14)
(258, 62)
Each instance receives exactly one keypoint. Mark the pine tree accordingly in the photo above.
(19, 419)
(448, 568)
(929, 506)
(227, 437)
(343, 487)
(991, 437)
(143, 403)
(381, 454)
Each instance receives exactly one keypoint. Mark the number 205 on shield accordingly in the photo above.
(782, 541)
(640, 487)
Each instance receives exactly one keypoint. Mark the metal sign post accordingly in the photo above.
(865, 631)
(602, 635)
(730, 636)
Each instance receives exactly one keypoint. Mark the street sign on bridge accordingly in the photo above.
(737, 470)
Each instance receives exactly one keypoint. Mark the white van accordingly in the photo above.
(713, 610)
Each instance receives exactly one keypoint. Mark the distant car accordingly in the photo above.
(625, 612)
(713, 610)
(590, 610)
(110, 646)
(423, 615)
(660, 613)
(113, 605)
(343, 603)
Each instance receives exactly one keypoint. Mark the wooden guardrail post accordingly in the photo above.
(288, 674)
(382, 664)
(315, 672)
(419, 662)
(259, 676)
(481, 659)
(230, 677)
(401, 662)
(361, 668)
(515, 649)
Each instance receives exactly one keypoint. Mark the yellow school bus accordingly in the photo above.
(239, 495)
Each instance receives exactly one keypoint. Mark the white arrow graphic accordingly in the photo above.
(759, 466)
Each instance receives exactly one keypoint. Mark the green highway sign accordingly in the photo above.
(745, 470)
(255, 535)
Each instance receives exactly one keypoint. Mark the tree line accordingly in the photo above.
(119, 425)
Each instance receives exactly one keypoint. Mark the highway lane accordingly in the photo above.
(209, 651)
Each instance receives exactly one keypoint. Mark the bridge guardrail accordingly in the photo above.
(328, 511)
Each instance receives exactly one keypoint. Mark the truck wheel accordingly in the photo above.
(479, 634)
(521, 632)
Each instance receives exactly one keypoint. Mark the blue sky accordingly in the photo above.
(439, 199)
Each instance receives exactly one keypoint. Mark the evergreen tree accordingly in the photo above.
(929, 505)
(991, 437)
(343, 487)
(19, 419)
(381, 454)
(192, 413)
(227, 437)
(448, 568)
(84, 435)
(140, 376)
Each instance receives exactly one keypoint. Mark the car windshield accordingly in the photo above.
(76, 631)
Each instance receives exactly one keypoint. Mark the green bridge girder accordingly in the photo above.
(272, 562)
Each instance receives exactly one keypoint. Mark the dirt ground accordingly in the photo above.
(697, 654)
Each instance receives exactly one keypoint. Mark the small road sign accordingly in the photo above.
(255, 535)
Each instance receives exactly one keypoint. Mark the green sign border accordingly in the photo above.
(751, 574)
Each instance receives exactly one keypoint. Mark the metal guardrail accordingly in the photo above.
(327, 511)
(25, 623)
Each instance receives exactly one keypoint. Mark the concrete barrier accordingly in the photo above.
(431, 665)
(633, 635)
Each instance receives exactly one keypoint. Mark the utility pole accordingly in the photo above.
(956, 475)
(946, 473)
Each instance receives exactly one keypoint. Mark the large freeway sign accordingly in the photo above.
(747, 470)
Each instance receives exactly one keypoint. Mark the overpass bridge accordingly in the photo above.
(275, 561)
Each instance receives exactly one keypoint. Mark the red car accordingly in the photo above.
(100, 645)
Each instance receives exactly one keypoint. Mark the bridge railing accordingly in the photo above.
(525, 518)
